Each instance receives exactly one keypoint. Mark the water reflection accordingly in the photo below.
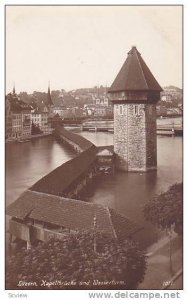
(28, 162)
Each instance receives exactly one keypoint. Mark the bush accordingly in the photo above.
(166, 210)
(114, 265)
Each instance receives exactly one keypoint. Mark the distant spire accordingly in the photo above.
(14, 91)
(49, 86)
(49, 99)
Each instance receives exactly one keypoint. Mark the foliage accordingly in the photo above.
(166, 210)
(35, 129)
(119, 265)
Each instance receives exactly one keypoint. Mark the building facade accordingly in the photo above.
(134, 94)
(8, 119)
(18, 117)
(16, 124)
(40, 119)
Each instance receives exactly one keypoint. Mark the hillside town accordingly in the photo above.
(37, 113)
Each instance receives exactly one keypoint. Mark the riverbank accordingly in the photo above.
(28, 138)
(159, 275)
(164, 126)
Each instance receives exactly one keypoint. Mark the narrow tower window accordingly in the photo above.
(120, 110)
(136, 110)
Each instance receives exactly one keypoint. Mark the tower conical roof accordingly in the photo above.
(135, 75)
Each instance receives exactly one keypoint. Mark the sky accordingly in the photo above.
(85, 46)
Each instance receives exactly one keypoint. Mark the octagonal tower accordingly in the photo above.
(134, 94)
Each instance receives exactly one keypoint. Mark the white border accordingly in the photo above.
(59, 295)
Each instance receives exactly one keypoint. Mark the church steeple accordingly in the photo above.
(49, 99)
(14, 91)
(49, 87)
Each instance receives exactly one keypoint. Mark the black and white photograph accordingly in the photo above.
(94, 148)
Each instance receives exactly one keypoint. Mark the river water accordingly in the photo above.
(125, 192)
(27, 162)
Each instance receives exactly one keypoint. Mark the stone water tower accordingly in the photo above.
(134, 94)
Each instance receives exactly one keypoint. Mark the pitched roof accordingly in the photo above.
(134, 75)
(105, 152)
(124, 226)
(74, 137)
(108, 147)
(72, 214)
(16, 104)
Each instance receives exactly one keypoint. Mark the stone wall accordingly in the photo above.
(121, 137)
(151, 138)
(135, 137)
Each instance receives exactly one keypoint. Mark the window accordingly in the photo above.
(136, 110)
(120, 109)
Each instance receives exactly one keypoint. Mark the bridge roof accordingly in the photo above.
(72, 214)
(105, 152)
(82, 142)
(59, 181)
(134, 75)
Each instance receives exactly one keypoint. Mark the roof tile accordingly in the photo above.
(72, 214)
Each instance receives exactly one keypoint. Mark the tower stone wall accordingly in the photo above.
(121, 136)
(135, 137)
(151, 137)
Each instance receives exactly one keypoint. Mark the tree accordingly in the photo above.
(113, 265)
(35, 129)
(165, 211)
